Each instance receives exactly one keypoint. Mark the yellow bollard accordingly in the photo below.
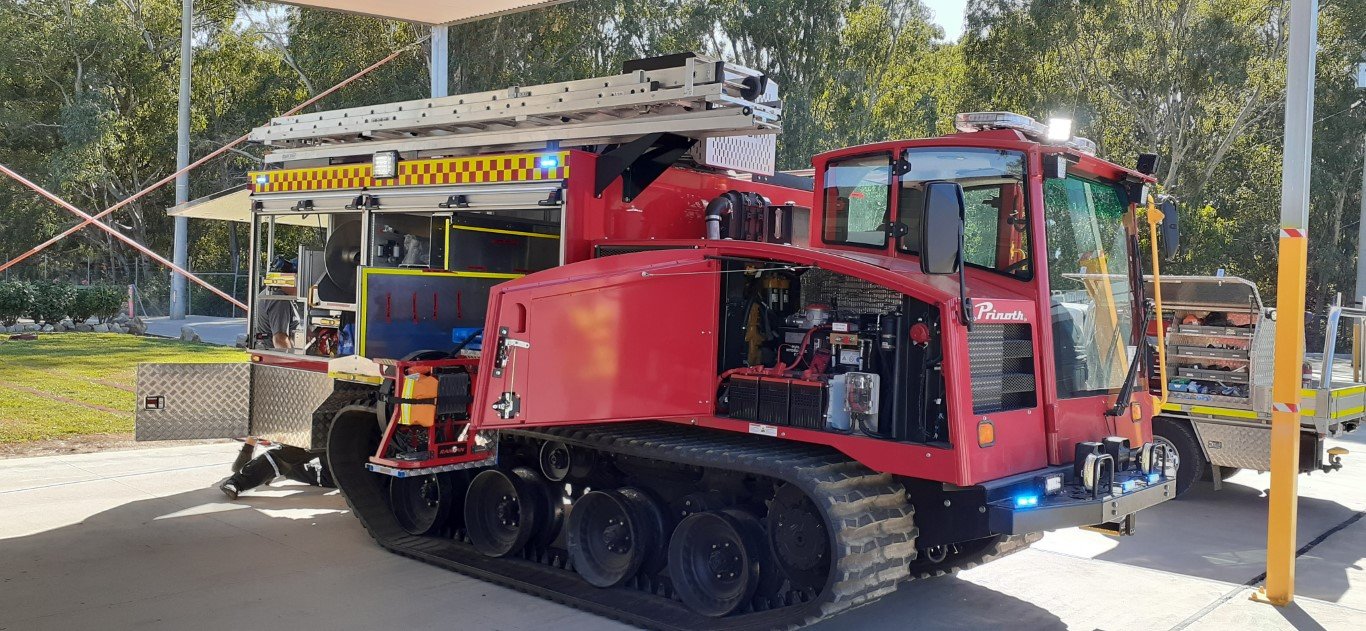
(1285, 420)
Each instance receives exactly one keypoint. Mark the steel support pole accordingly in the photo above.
(1361, 232)
(1290, 284)
(440, 61)
(180, 247)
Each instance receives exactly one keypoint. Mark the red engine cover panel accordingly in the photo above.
(626, 337)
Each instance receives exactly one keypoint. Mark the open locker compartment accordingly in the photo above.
(627, 337)
(233, 400)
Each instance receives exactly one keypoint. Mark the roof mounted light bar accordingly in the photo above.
(1034, 130)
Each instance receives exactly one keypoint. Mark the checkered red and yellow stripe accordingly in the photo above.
(519, 167)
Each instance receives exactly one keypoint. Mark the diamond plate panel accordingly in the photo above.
(183, 401)
(283, 401)
(1263, 356)
(1236, 445)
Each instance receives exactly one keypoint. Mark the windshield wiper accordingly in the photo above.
(1126, 392)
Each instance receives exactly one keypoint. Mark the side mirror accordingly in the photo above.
(941, 228)
(1170, 229)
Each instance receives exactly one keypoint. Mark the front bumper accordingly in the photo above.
(1074, 506)
(1103, 490)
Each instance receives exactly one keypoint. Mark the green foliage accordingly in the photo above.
(15, 298)
(97, 301)
(1201, 83)
(52, 301)
(88, 89)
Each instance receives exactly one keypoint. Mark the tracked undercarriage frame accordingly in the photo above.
(820, 533)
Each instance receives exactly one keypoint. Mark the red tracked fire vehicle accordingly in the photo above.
(554, 341)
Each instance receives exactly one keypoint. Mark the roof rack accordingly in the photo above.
(686, 94)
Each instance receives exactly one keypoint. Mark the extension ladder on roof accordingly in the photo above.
(689, 95)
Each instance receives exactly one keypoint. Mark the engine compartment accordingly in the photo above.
(813, 349)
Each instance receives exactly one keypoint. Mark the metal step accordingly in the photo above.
(696, 96)
(1213, 331)
(1212, 375)
(1202, 352)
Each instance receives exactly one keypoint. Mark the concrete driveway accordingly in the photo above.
(120, 540)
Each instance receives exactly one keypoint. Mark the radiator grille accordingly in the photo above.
(600, 251)
(1002, 360)
(847, 293)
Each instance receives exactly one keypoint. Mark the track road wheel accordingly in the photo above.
(1188, 462)
(555, 460)
(612, 534)
(714, 560)
(798, 539)
(504, 511)
(422, 504)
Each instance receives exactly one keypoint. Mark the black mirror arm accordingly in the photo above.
(963, 298)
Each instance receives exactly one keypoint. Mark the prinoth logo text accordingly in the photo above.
(986, 312)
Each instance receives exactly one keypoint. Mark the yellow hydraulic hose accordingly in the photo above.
(1155, 217)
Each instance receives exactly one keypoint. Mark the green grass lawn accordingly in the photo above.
(65, 384)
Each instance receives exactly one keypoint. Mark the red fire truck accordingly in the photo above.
(581, 339)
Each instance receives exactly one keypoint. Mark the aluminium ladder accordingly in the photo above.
(693, 96)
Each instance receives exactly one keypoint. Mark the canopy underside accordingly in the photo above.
(426, 11)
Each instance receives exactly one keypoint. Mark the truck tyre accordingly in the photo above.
(1191, 463)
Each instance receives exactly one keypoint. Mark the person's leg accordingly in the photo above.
(297, 464)
(261, 470)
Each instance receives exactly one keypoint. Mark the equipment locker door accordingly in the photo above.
(626, 337)
(184, 401)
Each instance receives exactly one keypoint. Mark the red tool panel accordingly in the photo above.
(626, 337)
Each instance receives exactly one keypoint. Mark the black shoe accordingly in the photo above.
(229, 488)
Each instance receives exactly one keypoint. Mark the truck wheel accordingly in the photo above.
(1190, 462)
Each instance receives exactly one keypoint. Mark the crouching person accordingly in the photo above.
(297, 464)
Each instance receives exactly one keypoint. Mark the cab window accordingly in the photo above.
(856, 198)
(996, 230)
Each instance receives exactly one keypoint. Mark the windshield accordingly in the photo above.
(996, 229)
(1088, 273)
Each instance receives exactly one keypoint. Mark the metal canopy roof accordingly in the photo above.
(426, 11)
(235, 205)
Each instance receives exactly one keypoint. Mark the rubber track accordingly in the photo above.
(868, 513)
(1001, 546)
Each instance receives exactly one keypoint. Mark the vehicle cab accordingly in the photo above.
(1049, 235)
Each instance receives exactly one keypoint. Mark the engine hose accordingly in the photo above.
(717, 209)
